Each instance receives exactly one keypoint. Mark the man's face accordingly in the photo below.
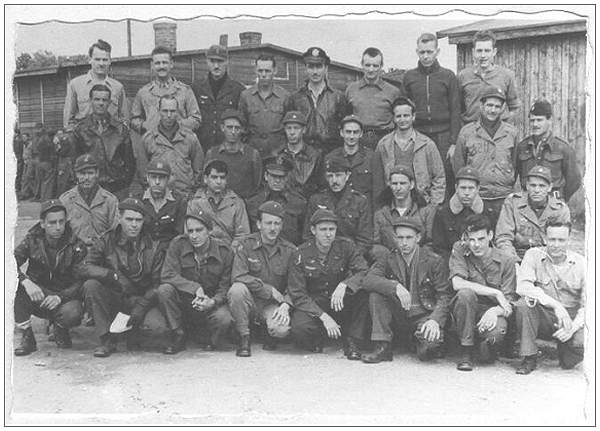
(539, 124)
(557, 241)
(87, 178)
(492, 108)
(400, 185)
(196, 232)
(275, 181)
(100, 61)
(232, 130)
(265, 71)
(371, 66)
(216, 181)
(479, 242)
(162, 64)
(406, 239)
(294, 132)
(427, 52)
(269, 226)
(131, 223)
(217, 67)
(316, 72)
(54, 224)
(403, 117)
(324, 233)
(351, 133)
(467, 191)
(484, 53)
(100, 102)
(168, 113)
(337, 180)
(537, 189)
(158, 184)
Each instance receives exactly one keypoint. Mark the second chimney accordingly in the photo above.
(165, 34)
(250, 38)
(223, 40)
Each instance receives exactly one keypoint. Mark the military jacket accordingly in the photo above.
(166, 223)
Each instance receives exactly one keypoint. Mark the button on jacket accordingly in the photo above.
(372, 103)
(362, 164)
(307, 176)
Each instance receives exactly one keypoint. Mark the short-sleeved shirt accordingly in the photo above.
(372, 103)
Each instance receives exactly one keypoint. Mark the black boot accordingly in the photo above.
(352, 351)
(62, 337)
(244, 347)
(487, 352)
(107, 347)
(382, 352)
(177, 343)
(25, 342)
(528, 365)
(270, 343)
(465, 362)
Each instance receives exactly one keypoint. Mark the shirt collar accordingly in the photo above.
(378, 82)
(570, 259)
(90, 78)
(456, 206)
(170, 82)
(168, 195)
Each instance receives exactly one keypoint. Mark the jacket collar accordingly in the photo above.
(90, 78)
(213, 248)
(275, 91)
(148, 196)
(241, 149)
(456, 206)
(378, 82)
(435, 67)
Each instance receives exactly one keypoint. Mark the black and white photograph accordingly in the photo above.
(301, 215)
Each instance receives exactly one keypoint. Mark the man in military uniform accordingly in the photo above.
(194, 282)
(355, 219)
(50, 287)
(409, 283)
(324, 284)
(323, 106)
(524, 214)
(260, 275)
(66, 154)
(484, 280)
(306, 176)
(543, 148)
(91, 210)
(215, 94)
(276, 189)
(123, 272)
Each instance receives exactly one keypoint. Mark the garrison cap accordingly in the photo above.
(201, 216)
(321, 215)
(132, 204)
(541, 172)
(278, 166)
(351, 119)
(217, 51)
(337, 164)
(316, 55)
(159, 168)
(85, 161)
(50, 205)
(232, 113)
(273, 208)
(493, 92)
(468, 173)
(410, 222)
(541, 107)
(403, 170)
(294, 117)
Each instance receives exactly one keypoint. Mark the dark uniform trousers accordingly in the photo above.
(442, 142)
(66, 315)
(46, 174)
(539, 321)
(308, 331)
(467, 310)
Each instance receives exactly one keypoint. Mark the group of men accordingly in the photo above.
(363, 215)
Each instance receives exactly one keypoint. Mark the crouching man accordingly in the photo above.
(194, 282)
(260, 272)
(410, 284)
(49, 288)
(551, 282)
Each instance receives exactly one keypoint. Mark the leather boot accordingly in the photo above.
(107, 347)
(177, 343)
(25, 342)
(62, 337)
(465, 362)
(352, 351)
(382, 352)
(528, 365)
(244, 347)
(487, 352)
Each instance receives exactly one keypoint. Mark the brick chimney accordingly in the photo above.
(223, 39)
(165, 34)
(250, 38)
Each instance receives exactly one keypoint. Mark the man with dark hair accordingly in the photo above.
(44, 152)
(78, 98)
(50, 287)
(408, 147)
(484, 280)
(551, 281)
(371, 98)
(225, 209)
(215, 94)
(472, 81)
(542, 147)
(263, 106)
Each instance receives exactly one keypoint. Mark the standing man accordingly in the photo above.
(215, 94)
(485, 281)
(45, 155)
(434, 90)
(323, 106)
(171, 143)
(263, 106)
(543, 148)
(259, 275)
(407, 147)
(78, 99)
(371, 98)
(489, 146)
(243, 161)
(473, 81)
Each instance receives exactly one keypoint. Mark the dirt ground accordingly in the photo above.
(283, 387)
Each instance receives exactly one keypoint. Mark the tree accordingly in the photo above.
(24, 61)
(40, 59)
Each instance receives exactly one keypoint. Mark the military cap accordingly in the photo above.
(272, 207)
(337, 164)
(217, 51)
(232, 113)
(467, 173)
(404, 170)
(85, 161)
(132, 204)
(410, 222)
(316, 55)
(201, 216)
(294, 117)
(351, 119)
(493, 92)
(321, 215)
(159, 168)
(541, 107)
(278, 166)
(540, 172)
(50, 205)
